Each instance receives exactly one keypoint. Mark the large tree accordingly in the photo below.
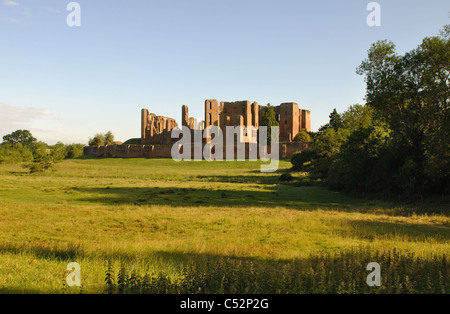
(269, 120)
(23, 137)
(399, 142)
(101, 139)
(109, 138)
(98, 140)
(411, 93)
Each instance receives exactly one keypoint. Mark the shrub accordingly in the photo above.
(39, 166)
(286, 177)
(14, 153)
(302, 160)
(101, 139)
(98, 140)
(74, 151)
(302, 137)
(357, 160)
(58, 152)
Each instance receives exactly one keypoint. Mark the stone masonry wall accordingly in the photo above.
(165, 151)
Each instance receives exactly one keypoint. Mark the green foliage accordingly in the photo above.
(23, 137)
(102, 139)
(343, 273)
(302, 161)
(398, 143)
(356, 117)
(38, 156)
(110, 278)
(58, 152)
(45, 158)
(335, 120)
(42, 159)
(61, 151)
(154, 228)
(411, 93)
(302, 137)
(286, 177)
(74, 151)
(356, 167)
(327, 143)
(10, 154)
(109, 138)
(39, 165)
(269, 120)
(98, 140)
(326, 147)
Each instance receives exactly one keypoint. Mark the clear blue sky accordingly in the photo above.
(68, 83)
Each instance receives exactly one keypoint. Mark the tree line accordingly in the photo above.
(398, 142)
(22, 147)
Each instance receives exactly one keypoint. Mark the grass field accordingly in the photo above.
(228, 220)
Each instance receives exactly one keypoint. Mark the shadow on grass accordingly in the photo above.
(86, 157)
(360, 229)
(5, 290)
(248, 179)
(20, 173)
(344, 272)
(376, 230)
(266, 196)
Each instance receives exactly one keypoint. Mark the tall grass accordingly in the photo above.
(203, 227)
(343, 273)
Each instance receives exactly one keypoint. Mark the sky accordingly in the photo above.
(68, 83)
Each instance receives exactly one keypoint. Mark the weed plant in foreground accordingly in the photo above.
(344, 273)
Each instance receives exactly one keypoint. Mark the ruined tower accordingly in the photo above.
(156, 129)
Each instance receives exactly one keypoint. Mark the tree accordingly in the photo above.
(356, 117)
(74, 151)
(335, 120)
(411, 93)
(269, 120)
(302, 137)
(98, 140)
(102, 139)
(14, 153)
(109, 138)
(23, 137)
(357, 165)
(303, 160)
(58, 152)
(42, 159)
(326, 144)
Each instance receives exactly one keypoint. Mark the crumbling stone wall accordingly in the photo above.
(156, 129)
(130, 151)
(291, 119)
(189, 122)
(156, 140)
(165, 151)
(243, 113)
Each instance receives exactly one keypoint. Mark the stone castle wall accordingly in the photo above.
(165, 151)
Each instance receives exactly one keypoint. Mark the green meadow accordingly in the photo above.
(158, 226)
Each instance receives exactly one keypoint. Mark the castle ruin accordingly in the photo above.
(156, 129)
